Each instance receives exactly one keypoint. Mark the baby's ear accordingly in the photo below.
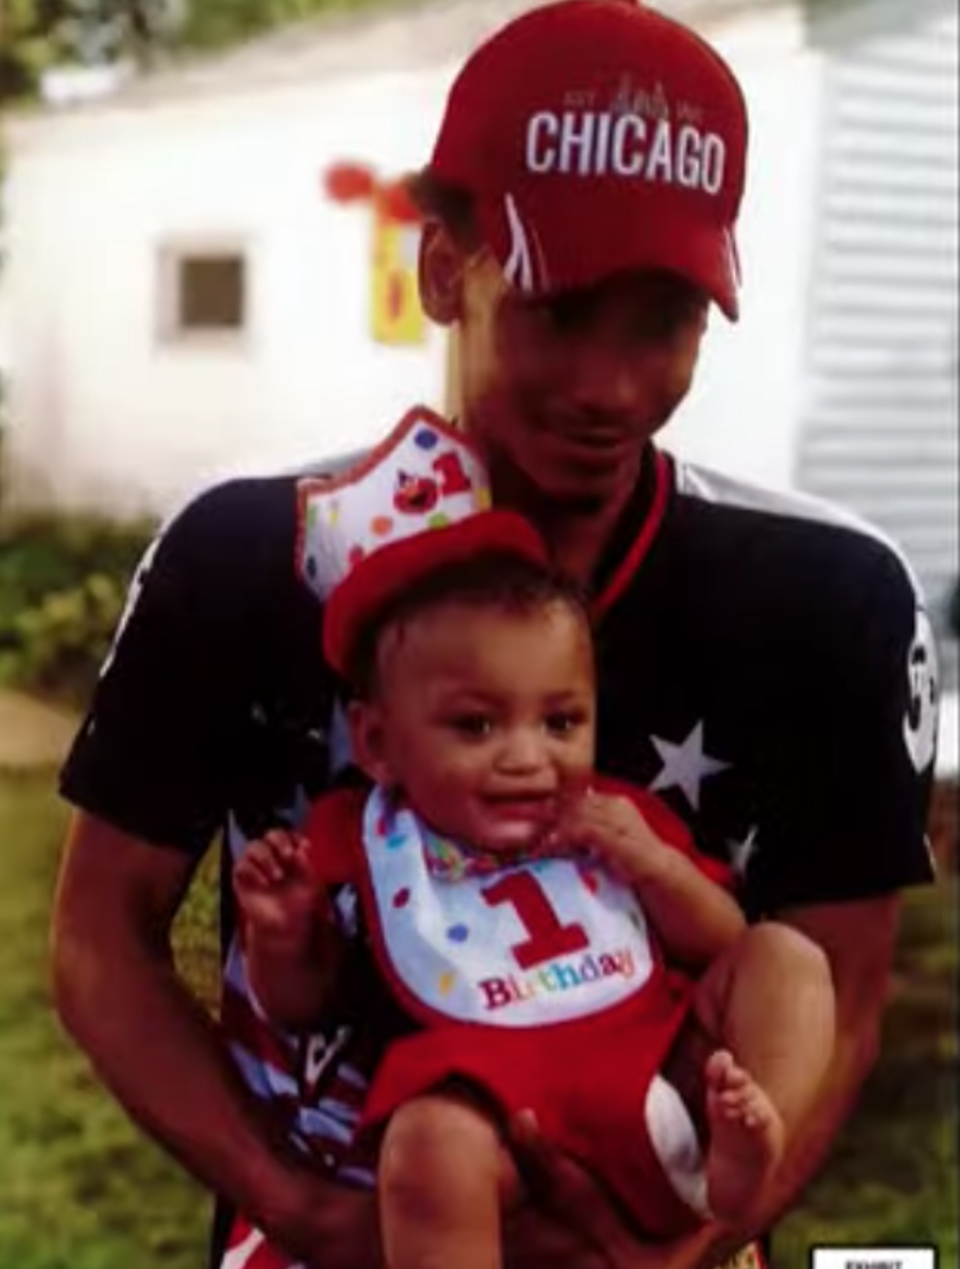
(365, 720)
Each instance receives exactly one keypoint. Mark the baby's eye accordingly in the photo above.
(564, 723)
(475, 726)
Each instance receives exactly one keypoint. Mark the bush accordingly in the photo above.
(63, 582)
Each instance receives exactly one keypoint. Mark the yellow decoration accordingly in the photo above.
(446, 982)
(396, 315)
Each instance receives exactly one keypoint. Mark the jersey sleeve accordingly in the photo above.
(156, 753)
(855, 766)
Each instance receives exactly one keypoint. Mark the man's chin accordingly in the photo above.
(583, 473)
(578, 492)
(538, 484)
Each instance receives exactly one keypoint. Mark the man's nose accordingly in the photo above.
(606, 381)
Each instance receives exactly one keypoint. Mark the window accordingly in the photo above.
(203, 294)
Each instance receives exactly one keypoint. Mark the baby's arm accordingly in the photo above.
(695, 919)
(291, 947)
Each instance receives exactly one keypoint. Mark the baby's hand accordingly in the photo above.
(276, 888)
(613, 828)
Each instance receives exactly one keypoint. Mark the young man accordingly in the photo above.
(765, 664)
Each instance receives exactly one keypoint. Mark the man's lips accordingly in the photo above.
(595, 440)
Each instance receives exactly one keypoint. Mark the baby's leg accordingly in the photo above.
(769, 1002)
(442, 1181)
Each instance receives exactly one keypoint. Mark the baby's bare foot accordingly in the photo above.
(746, 1136)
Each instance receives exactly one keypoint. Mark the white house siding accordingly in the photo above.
(879, 431)
(743, 413)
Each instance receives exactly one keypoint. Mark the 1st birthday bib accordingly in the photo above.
(545, 941)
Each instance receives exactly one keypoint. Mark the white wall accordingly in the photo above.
(5, 321)
(91, 202)
(743, 415)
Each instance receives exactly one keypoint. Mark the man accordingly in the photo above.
(755, 654)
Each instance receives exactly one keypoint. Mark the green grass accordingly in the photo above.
(80, 1189)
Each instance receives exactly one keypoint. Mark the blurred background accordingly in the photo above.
(202, 271)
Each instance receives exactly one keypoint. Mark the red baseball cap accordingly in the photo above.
(387, 572)
(598, 136)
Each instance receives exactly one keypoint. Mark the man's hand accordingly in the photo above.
(320, 1223)
(569, 1222)
(572, 1224)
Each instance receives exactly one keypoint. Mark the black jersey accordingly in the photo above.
(765, 665)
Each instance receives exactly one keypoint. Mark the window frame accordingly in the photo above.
(171, 256)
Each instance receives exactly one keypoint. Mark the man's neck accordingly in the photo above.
(577, 532)
(578, 538)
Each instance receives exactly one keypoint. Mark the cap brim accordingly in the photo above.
(384, 575)
(562, 247)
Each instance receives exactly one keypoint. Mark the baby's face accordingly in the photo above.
(488, 719)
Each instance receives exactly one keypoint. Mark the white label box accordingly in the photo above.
(873, 1258)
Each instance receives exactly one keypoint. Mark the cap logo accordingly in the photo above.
(610, 142)
(631, 100)
(519, 267)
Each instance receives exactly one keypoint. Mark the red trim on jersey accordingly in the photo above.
(662, 486)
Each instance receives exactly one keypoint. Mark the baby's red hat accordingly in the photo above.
(385, 574)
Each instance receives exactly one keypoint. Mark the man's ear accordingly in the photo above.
(365, 720)
(441, 271)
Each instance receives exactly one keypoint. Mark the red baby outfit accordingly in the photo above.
(540, 983)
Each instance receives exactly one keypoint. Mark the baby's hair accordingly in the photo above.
(492, 579)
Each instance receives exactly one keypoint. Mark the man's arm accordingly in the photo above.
(853, 798)
(859, 939)
(118, 994)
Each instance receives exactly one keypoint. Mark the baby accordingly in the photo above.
(555, 939)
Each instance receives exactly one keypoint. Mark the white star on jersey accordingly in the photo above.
(741, 853)
(685, 766)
